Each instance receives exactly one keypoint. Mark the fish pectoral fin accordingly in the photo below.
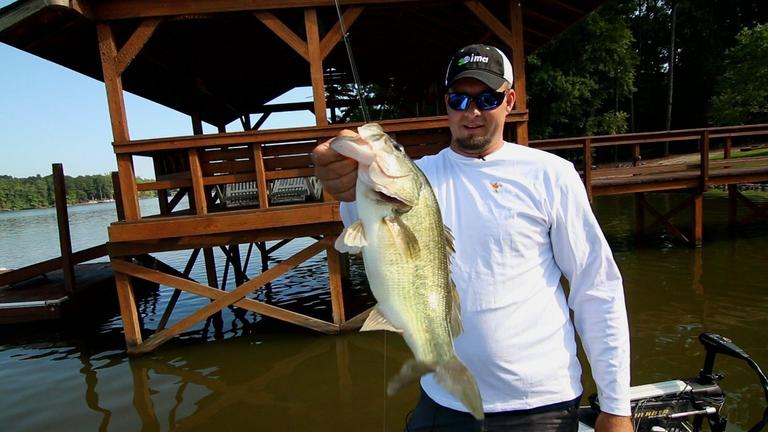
(455, 317)
(377, 321)
(411, 371)
(352, 239)
(404, 238)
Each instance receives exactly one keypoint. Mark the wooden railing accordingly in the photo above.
(636, 174)
(193, 166)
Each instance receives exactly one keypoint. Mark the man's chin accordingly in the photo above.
(473, 144)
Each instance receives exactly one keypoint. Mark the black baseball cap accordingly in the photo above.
(484, 63)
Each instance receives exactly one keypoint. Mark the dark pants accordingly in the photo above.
(429, 416)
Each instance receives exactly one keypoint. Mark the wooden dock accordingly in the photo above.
(45, 297)
(716, 165)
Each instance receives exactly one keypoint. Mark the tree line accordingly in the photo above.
(38, 191)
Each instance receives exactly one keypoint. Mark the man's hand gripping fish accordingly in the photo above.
(406, 250)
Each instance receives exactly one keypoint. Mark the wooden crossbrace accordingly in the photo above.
(222, 299)
(664, 219)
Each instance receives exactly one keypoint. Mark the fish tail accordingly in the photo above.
(456, 378)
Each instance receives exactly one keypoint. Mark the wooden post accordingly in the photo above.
(518, 68)
(213, 282)
(198, 186)
(334, 283)
(733, 199)
(116, 104)
(636, 157)
(315, 66)
(261, 176)
(117, 196)
(697, 217)
(704, 160)
(128, 311)
(62, 217)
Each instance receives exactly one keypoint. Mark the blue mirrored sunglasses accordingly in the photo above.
(484, 101)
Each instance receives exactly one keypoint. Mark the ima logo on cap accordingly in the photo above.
(471, 58)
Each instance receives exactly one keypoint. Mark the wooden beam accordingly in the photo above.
(284, 33)
(492, 22)
(704, 160)
(128, 312)
(316, 66)
(225, 222)
(261, 177)
(135, 43)
(664, 219)
(697, 218)
(198, 187)
(210, 240)
(356, 322)
(121, 9)
(62, 218)
(116, 105)
(47, 266)
(334, 283)
(334, 34)
(272, 136)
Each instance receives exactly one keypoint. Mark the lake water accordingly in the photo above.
(258, 375)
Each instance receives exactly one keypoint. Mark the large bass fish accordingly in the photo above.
(406, 250)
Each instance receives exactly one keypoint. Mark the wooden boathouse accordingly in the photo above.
(222, 62)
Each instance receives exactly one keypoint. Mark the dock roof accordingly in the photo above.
(220, 60)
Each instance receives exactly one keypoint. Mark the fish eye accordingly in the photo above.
(397, 146)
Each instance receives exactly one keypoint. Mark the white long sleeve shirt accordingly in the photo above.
(521, 219)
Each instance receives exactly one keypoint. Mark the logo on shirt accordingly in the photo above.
(495, 186)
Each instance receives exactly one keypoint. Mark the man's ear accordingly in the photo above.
(510, 100)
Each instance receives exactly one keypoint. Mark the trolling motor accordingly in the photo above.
(683, 405)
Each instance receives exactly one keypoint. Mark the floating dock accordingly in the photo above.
(45, 297)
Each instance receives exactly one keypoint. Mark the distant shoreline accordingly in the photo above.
(82, 203)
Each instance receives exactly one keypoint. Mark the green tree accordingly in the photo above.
(579, 84)
(742, 93)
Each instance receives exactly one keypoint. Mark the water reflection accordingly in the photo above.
(296, 382)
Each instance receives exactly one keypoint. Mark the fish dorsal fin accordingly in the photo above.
(449, 241)
(352, 239)
(377, 321)
(455, 317)
(404, 238)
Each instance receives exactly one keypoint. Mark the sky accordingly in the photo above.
(50, 114)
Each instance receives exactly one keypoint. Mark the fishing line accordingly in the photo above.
(352, 65)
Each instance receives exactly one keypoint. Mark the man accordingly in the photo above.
(521, 219)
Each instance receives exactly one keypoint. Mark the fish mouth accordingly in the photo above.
(393, 201)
